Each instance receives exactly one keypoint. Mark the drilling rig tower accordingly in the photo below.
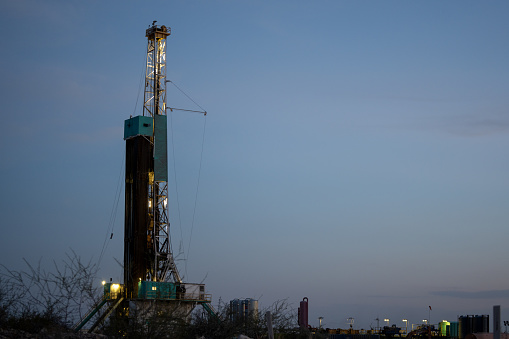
(150, 274)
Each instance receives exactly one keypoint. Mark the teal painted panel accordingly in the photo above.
(160, 152)
(139, 125)
(156, 290)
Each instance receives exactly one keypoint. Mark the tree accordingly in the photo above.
(42, 298)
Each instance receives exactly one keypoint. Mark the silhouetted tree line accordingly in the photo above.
(40, 301)
(36, 299)
(161, 323)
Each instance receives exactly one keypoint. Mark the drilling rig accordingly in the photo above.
(150, 273)
(147, 250)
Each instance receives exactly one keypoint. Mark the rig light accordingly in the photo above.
(103, 282)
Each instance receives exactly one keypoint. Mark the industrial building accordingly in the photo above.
(466, 327)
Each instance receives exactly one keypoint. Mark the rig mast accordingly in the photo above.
(152, 283)
(147, 248)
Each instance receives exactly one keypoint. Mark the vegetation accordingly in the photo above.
(159, 322)
(34, 299)
(39, 301)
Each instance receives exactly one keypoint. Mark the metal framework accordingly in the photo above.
(163, 265)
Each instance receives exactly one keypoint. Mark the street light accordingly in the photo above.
(425, 321)
(387, 320)
(406, 325)
(350, 322)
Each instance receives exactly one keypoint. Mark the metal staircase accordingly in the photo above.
(79, 325)
(90, 314)
(210, 309)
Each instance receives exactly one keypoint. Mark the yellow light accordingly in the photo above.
(115, 287)
(103, 282)
(150, 204)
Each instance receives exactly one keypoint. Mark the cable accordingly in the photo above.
(113, 215)
(181, 247)
(204, 111)
(197, 187)
(114, 210)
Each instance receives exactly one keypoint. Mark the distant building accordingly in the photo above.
(243, 309)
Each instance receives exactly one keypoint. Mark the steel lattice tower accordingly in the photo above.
(152, 284)
(147, 248)
(155, 105)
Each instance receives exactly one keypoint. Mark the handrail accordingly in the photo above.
(106, 314)
(97, 306)
(210, 309)
(201, 297)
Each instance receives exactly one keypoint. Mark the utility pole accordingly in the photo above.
(268, 319)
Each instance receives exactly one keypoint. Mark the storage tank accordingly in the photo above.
(453, 329)
(234, 309)
(303, 313)
(485, 324)
(443, 327)
(473, 324)
(249, 308)
(465, 326)
(241, 309)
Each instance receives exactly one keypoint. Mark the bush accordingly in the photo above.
(36, 299)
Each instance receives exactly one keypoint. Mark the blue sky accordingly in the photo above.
(355, 152)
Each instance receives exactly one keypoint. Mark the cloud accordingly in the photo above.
(487, 294)
(478, 126)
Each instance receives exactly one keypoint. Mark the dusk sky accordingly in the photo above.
(354, 152)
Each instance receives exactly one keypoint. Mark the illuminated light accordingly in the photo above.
(103, 282)
(154, 288)
(150, 204)
(115, 287)
(165, 202)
